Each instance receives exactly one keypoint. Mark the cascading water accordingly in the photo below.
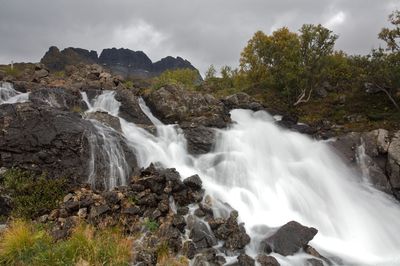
(272, 176)
(108, 164)
(9, 95)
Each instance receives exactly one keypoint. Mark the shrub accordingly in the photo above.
(31, 195)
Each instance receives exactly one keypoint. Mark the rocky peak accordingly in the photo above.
(125, 57)
(170, 62)
(57, 60)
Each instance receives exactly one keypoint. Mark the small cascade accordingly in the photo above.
(108, 164)
(9, 95)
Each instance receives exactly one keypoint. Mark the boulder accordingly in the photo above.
(245, 260)
(172, 104)
(130, 109)
(201, 236)
(241, 100)
(265, 260)
(290, 238)
(200, 139)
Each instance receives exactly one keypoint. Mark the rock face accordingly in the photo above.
(124, 62)
(393, 163)
(172, 104)
(196, 113)
(291, 237)
(369, 154)
(44, 139)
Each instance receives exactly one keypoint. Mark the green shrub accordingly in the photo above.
(31, 195)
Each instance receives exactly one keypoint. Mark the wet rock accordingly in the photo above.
(202, 236)
(314, 262)
(291, 237)
(245, 260)
(60, 98)
(265, 260)
(111, 197)
(106, 119)
(200, 139)
(183, 210)
(179, 222)
(130, 109)
(189, 249)
(234, 234)
(193, 182)
(207, 257)
(265, 247)
(40, 138)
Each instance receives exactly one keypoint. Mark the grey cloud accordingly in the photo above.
(204, 32)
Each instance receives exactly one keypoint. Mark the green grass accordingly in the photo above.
(23, 243)
(151, 225)
(31, 195)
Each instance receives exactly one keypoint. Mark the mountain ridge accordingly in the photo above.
(120, 61)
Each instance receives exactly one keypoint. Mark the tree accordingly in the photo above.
(392, 36)
(291, 63)
(316, 44)
(210, 73)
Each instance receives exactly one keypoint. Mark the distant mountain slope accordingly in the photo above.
(125, 62)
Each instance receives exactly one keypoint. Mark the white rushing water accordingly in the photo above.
(272, 176)
(108, 166)
(9, 95)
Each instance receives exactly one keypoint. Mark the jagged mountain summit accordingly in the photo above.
(124, 62)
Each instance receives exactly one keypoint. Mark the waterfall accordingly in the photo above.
(9, 95)
(108, 166)
(272, 176)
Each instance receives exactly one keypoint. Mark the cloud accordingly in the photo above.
(204, 32)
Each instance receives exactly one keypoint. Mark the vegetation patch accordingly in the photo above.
(24, 243)
(32, 195)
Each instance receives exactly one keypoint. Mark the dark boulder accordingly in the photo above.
(201, 235)
(200, 139)
(265, 260)
(291, 237)
(193, 182)
(130, 109)
(245, 260)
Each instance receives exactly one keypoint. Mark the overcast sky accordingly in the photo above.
(203, 31)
